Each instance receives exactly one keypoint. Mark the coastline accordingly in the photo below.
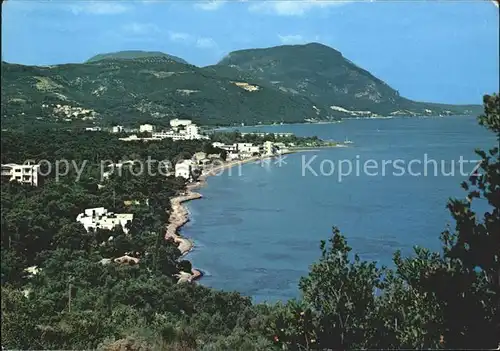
(179, 215)
(225, 128)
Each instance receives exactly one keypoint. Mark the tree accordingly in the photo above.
(449, 299)
(466, 281)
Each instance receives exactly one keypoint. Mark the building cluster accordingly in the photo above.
(26, 173)
(72, 112)
(237, 151)
(240, 151)
(180, 129)
(99, 218)
(282, 135)
(188, 168)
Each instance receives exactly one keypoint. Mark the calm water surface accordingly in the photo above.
(258, 229)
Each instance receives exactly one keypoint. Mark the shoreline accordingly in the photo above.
(179, 214)
(224, 128)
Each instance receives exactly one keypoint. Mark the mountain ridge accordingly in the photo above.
(288, 83)
(132, 55)
(327, 77)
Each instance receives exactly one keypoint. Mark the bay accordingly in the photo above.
(258, 227)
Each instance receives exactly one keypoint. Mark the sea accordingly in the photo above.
(258, 227)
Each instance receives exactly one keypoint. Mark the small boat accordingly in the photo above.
(347, 141)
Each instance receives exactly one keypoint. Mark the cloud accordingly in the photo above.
(209, 5)
(140, 28)
(179, 36)
(291, 39)
(99, 7)
(92, 7)
(292, 7)
(189, 39)
(205, 43)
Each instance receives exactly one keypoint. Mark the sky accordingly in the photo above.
(440, 51)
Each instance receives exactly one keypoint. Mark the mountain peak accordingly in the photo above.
(133, 55)
(326, 77)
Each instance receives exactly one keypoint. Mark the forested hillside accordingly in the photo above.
(290, 84)
(328, 78)
(147, 89)
(75, 299)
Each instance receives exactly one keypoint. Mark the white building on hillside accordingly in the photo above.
(184, 169)
(146, 128)
(248, 148)
(175, 123)
(199, 157)
(227, 147)
(192, 132)
(164, 135)
(100, 218)
(26, 174)
(181, 130)
(132, 137)
(268, 148)
(117, 129)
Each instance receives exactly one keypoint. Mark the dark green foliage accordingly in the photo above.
(295, 83)
(145, 90)
(447, 299)
(327, 78)
(431, 300)
(78, 301)
(132, 55)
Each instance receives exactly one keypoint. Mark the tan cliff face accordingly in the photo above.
(246, 86)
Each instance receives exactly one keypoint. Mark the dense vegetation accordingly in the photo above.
(133, 54)
(280, 84)
(154, 89)
(448, 299)
(327, 78)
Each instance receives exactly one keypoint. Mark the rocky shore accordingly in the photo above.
(179, 215)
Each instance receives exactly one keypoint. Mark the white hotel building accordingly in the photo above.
(100, 218)
(26, 174)
(185, 169)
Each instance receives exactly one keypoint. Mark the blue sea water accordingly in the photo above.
(258, 227)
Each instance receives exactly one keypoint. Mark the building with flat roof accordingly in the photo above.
(184, 169)
(117, 129)
(226, 147)
(146, 128)
(93, 129)
(174, 123)
(100, 218)
(25, 173)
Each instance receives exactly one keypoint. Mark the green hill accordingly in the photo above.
(133, 54)
(139, 90)
(281, 84)
(328, 78)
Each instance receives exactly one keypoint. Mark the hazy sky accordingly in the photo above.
(444, 51)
